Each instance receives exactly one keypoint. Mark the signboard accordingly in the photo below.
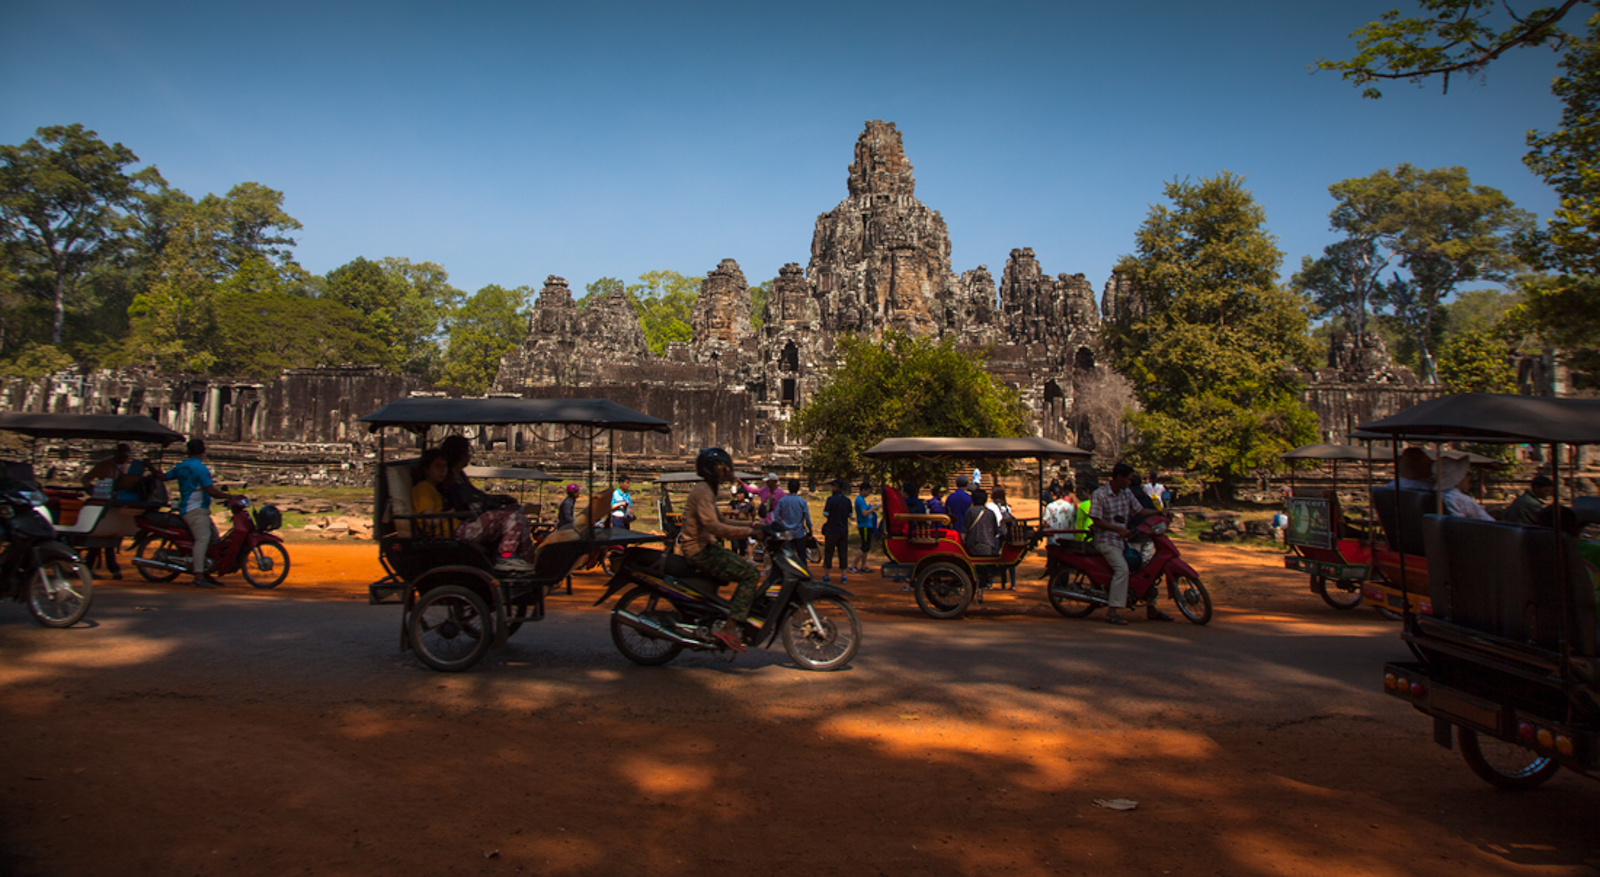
(1310, 525)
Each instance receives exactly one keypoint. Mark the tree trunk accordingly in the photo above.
(61, 310)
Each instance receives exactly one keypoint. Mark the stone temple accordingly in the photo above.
(880, 260)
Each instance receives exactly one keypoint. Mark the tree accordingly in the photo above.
(262, 326)
(758, 304)
(1443, 230)
(1344, 281)
(664, 301)
(1457, 36)
(903, 386)
(406, 305)
(1474, 361)
(482, 331)
(1565, 309)
(1208, 350)
(172, 319)
(64, 200)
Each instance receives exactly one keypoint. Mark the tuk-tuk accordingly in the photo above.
(82, 519)
(1506, 652)
(929, 549)
(1337, 555)
(456, 604)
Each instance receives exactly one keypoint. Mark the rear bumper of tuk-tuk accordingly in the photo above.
(1382, 595)
(1575, 745)
(1332, 571)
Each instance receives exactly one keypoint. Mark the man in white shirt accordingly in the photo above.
(1452, 476)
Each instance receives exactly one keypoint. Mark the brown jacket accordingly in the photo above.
(701, 523)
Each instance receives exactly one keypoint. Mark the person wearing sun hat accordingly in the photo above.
(1453, 474)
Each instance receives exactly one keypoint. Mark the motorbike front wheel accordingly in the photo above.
(823, 634)
(1192, 599)
(61, 589)
(164, 550)
(943, 590)
(1343, 594)
(266, 565)
(637, 645)
(1505, 765)
(1071, 607)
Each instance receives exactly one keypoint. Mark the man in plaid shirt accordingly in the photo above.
(1114, 508)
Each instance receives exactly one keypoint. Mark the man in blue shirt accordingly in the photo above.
(195, 491)
(957, 503)
(621, 505)
(794, 513)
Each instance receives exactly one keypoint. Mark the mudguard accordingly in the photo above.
(1177, 566)
(467, 576)
(617, 583)
(805, 592)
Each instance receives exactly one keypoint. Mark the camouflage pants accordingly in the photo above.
(725, 566)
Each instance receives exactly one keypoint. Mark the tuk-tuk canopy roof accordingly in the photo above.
(1494, 417)
(1375, 453)
(689, 477)
(941, 448)
(509, 474)
(106, 427)
(419, 413)
(1325, 451)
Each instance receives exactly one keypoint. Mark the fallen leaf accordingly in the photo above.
(908, 717)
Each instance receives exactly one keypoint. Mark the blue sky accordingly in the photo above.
(508, 141)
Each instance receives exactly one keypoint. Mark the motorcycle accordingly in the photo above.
(1080, 578)
(164, 546)
(672, 607)
(45, 574)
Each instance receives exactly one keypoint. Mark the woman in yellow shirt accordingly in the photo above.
(431, 471)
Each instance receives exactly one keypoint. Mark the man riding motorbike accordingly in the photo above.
(702, 527)
(1115, 509)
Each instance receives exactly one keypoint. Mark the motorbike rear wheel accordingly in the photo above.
(61, 588)
(1505, 765)
(944, 590)
(822, 635)
(451, 628)
(266, 565)
(637, 645)
(163, 550)
(1070, 607)
(1191, 597)
(1343, 594)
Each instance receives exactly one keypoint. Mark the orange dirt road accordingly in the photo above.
(243, 732)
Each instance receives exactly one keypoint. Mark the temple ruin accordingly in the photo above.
(879, 261)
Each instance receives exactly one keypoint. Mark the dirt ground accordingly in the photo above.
(115, 776)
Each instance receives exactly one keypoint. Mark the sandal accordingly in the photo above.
(1154, 614)
(731, 641)
(1116, 619)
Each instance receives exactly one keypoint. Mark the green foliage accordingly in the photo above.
(903, 386)
(1442, 229)
(1344, 281)
(263, 330)
(34, 361)
(1453, 36)
(405, 303)
(1565, 310)
(483, 330)
(173, 318)
(1475, 361)
(1207, 351)
(65, 199)
(758, 304)
(664, 301)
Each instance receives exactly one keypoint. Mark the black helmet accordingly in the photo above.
(709, 463)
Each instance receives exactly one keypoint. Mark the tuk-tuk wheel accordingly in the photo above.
(944, 590)
(1344, 594)
(451, 628)
(1505, 765)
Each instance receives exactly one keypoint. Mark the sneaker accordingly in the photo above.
(513, 564)
(827, 581)
(206, 582)
(843, 580)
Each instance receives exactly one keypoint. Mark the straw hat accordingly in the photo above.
(1451, 471)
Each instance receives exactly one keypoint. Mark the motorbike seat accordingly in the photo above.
(167, 520)
(675, 566)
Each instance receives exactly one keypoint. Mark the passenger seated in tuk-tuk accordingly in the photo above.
(1413, 470)
(914, 503)
(430, 472)
(1452, 475)
(497, 525)
(1588, 550)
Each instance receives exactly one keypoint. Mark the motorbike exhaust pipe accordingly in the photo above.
(163, 565)
(653, 627)
(1085, 596)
